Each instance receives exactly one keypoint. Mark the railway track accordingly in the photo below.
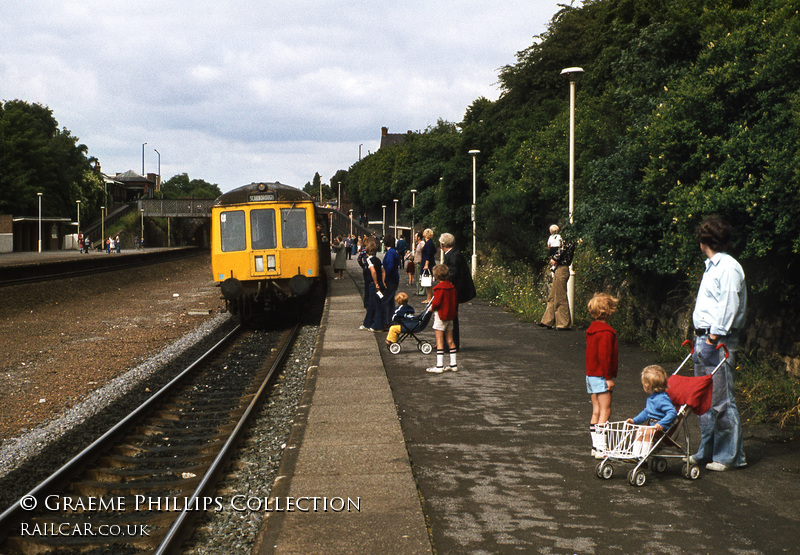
(138, 487)
(33, 273)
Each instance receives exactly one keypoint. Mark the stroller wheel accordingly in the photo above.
(394, 348)
(691, 472)
(658, 464)
(604, 470)
(637, 478)
(426, 348)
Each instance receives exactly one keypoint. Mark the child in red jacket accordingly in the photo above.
(445, 310)
(602, 360)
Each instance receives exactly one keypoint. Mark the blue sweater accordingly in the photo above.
(658, 407)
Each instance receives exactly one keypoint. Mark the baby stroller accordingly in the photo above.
(637, 444)
(409, 327)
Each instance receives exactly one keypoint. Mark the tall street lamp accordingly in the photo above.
(413, 208)
(141, 237)
(395, 218)
(474, 154)
(573, 74)
(78, 203)
(158, 183)
(40, 221)
(102, 226)
(339, 198)
(351, 222)
(383, 226)
(143, 158)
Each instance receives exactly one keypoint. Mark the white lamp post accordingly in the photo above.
(573, 74)
(383, 220)
(351, 221)
(158, 183)
(339, 198)
(102, 227)
(143, 158)
(474, 154)
(395, 218)
(78, 203)
(40, 221)
(413, 207)
(141, 237)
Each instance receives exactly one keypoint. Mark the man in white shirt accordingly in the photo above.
(719, 316)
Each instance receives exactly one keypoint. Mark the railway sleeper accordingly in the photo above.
(125, 460)
(119, 474)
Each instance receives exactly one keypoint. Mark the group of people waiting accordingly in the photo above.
(718, 318)
(386, 307)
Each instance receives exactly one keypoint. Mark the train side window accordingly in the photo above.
(294, 229)
(231, 231)
(262, 229)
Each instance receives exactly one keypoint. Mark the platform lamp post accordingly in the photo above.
(573, 74)
(474, 154)
(102, 226)
(351, 221)
(395, 218)
(339, 198)
(78, 203)
(40, 221)
(383, 221)
(158, 183)
(413, 207)
(141, 237)
(143, 158)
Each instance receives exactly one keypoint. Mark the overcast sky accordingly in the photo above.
(235, 92)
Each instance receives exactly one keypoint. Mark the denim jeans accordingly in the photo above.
(720, 427)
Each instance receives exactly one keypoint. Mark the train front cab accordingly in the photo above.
(262, 253)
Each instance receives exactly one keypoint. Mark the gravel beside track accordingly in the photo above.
(71, 349)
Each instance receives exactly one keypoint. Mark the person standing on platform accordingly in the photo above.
(340, 257)
(718, 317)
(391, 278)
(445, 310)
(557, 314)
(602, 362)
(428, 260)
(460, 277)
(373, 278)
(418, 243)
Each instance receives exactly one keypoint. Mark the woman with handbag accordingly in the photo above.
(428, 262)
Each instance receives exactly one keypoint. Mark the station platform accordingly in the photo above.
(495, 458)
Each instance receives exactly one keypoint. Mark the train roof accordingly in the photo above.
(262, 191)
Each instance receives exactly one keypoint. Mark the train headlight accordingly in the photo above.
(271, 266)
(259, 263)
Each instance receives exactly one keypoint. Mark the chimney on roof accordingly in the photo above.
(384, 131)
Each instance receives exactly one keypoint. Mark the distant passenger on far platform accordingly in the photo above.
(445, 310)
(118, 244)
(87, 244)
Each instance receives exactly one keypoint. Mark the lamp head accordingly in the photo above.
(572, 73)
(474, 152)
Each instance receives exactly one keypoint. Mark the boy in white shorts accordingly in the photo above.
(445, 310)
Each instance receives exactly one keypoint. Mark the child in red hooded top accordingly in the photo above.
(445, 309)
(602, 360)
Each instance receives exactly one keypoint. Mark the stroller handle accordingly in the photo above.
(690, 344)
(725, 348)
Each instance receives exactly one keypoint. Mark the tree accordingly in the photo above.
(38, 157)
(180, 186)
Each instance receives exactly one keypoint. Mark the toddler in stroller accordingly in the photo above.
(405, 324)
(659, 412)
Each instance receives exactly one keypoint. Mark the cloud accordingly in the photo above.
(238, 91)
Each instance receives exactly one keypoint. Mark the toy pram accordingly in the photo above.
(632, 443)
(409, 327)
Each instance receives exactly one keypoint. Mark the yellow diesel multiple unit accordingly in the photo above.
(265, 246)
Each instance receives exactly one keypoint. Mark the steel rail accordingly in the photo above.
(62, 475)
(179, 255)
(178, 530)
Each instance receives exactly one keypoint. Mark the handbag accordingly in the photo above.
(426, 279)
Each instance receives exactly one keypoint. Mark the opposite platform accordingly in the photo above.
(346, 443)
